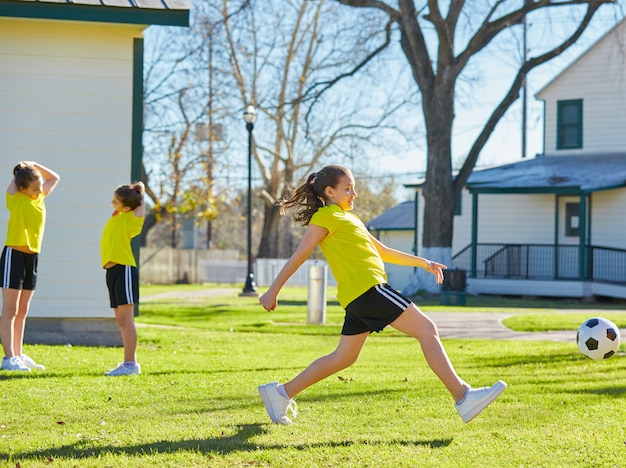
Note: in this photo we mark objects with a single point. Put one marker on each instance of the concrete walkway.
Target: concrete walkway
(489, 326)
(479, 325)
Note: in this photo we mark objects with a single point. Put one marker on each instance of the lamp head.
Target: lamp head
(249, 115)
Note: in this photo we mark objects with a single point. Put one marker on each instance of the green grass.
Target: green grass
(196, 403)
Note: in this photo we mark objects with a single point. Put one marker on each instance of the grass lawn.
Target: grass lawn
(203, 356)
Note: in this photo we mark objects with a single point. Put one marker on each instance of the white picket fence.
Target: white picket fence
(267, 269)
(171, 266)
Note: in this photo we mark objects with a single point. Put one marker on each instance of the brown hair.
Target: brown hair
(24, 174)
(310, 196)
(130, 195)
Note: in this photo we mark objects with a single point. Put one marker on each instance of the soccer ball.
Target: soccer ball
(598, 338)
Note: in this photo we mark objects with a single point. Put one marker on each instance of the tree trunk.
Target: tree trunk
(439, 197)
(268, 247)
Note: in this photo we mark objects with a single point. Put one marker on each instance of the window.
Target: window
(572, 219)
(569, 133)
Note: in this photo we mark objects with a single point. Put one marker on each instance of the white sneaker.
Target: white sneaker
(121, 369)
(276, 404)
(14, 363)
(28, 362)
(476, 400)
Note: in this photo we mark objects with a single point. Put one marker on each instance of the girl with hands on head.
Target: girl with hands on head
(31, 184)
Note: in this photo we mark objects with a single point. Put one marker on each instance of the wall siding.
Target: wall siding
(608, 223)
(398, 276)
(599, 79)
(66, 102)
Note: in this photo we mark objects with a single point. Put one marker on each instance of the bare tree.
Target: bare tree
(281, 54)
(177, 170)
(438, 46)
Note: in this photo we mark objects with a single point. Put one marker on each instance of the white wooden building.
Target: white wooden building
(71, 98)
(552, 225)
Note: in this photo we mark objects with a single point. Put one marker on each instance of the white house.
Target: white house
(554, 225)
(71, 97)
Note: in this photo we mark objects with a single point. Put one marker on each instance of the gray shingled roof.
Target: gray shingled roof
(145, 12)
(543, 174)
(151, 4)
(399, 217)
(553, 174)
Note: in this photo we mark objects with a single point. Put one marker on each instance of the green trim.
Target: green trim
(416, 224)
(543, 137)
(582, 237)
(534, 190)
(136, 146)
(607, 187)
(573, 190)
(137, 106)
(560, 105)
(557, 199)
(474, 240)
(95, 13)
(393, 229)
(589, 213)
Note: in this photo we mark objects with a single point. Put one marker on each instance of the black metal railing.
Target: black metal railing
(543, 262)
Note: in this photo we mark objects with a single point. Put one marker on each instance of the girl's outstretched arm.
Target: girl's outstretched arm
(313, 236)
(398, 257)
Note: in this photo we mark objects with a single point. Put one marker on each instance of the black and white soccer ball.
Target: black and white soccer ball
(598, 338)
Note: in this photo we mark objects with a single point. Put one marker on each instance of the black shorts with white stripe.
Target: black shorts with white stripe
(374, 310)
(123, 284)
(19, 269)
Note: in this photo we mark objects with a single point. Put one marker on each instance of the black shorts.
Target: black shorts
(374, 310)
(19, 269)
(123, 284)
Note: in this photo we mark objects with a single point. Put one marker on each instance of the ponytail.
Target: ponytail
(130, 196)
(24, 174)
(310, 196)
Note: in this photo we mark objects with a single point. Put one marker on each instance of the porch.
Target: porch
(544, 270)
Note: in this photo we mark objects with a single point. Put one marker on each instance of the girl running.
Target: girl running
(356, 260)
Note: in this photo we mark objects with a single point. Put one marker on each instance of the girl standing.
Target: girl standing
(356, 260)
(30, 185)
(122, 277)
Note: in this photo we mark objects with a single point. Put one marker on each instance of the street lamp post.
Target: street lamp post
(250, 287)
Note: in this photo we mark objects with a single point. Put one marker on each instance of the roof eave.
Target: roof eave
(94, 13)
(531, 190)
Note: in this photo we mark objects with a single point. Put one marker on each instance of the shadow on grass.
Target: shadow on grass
(533, 360)
(303, 303)
(607, 390)
(99, 375)
(238, 442)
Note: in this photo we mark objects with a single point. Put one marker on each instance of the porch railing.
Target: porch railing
(544, 262)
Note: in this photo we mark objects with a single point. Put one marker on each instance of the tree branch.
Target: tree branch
(513, 93)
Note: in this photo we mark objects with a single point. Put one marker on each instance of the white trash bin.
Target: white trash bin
(316, 310)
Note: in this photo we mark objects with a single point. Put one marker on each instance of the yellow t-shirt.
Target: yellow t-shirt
(116, 235)
(27, 220)
(350, 252)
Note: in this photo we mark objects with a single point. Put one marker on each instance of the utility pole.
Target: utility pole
(524, 86)
(209, 162)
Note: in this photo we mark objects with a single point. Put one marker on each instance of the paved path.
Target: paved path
(486, 325)
(489, 325)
